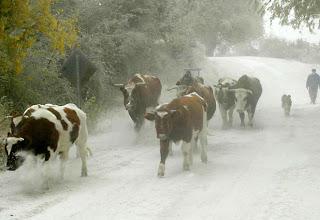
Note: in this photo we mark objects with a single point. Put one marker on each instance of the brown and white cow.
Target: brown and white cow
(183, 119)
(48, 131)
(140, 92)
(188, 84)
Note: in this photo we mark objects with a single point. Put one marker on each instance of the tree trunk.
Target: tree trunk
(210, 48)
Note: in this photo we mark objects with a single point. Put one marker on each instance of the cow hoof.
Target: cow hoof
(204, 159)
(186, 167)
(161, 170)
(84, 174)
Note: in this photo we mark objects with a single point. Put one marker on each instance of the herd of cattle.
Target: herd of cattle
(186, 117)
(49, 130)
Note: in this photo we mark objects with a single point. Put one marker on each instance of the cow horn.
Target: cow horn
(118, 85)
(9, 116)
(141, 83)
(249, 91)
(172, 88)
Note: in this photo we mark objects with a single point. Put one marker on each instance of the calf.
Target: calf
(140, 93)
(226, 100)
(183, 119)
(247, 93)
(48, 131)
(286, 104)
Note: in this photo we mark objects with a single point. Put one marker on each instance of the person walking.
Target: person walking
(313, 84)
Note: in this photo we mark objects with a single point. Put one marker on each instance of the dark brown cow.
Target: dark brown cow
(140, 92)
(48, 131)
(247, 91)
(190, 84)
(185, 119)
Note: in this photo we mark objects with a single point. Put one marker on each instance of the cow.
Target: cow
(183, 119)
(247, 93)
(188, 84)
(48, 131)
(140, 93)
(286, 104)
(15, 118)
(226, 100)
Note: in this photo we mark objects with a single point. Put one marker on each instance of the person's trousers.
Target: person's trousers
(313, 92)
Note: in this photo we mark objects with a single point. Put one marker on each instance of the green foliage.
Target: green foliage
(225, 22)
(295, 13)
(22, 23)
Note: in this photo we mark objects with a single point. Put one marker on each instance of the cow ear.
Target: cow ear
(151, 116)
(9, 134)
(122, 89)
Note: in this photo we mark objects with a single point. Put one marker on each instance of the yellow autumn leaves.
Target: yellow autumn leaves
(24, 22)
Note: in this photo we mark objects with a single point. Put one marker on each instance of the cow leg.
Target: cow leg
(204, 146)
(81, 144)
(223, 113)
(164, 150)
(63, 159)
(194, 144)
(83, 156)
(241, 114)
(47, 172)
(138, 124)
(170, 148)
(77, 152)
(203, 139)
(250, 116)
(186, 150)
(230, 115)
(194, 148)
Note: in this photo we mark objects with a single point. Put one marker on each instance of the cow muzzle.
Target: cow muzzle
(14, 163)
(129, 107)
(240, 110)
(162, 137)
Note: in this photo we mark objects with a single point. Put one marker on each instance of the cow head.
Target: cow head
(224, 95)
(164, 121)
(130, 94)
(14, 145)
(15, 118)
(241, 98)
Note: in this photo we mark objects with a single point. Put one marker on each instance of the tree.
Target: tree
(23, 23)
(225, 22)
(295, 13)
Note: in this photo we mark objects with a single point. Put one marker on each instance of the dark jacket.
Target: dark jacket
(313, 81)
